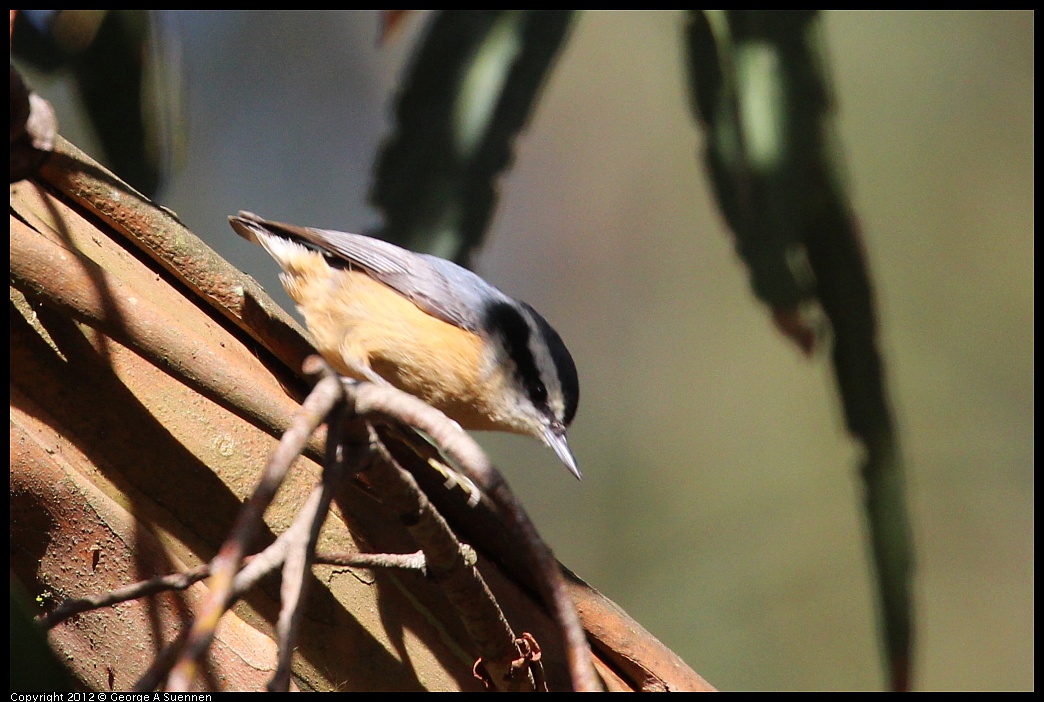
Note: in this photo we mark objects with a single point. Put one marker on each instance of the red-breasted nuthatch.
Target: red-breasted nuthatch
(427, 326)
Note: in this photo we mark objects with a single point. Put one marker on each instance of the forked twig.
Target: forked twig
(373, 402)
(226, 564)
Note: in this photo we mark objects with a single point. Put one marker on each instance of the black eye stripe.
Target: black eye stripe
(512, 325)
(568, 380)
(516, 332)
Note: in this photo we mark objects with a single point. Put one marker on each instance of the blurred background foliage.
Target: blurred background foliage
(720, 505)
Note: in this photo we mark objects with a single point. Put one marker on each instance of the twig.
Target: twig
(292, 591)
(455, 573)
(257, 568)
(302, 550)
(388, 402)
(152, 586)
(227, 561)
(445, 556)
(182, 581)
(403, 561)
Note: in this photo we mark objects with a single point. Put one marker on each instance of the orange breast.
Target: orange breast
(360, 322)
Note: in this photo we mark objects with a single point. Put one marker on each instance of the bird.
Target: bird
(425, 325)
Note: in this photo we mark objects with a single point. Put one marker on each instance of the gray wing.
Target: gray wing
(439, 287)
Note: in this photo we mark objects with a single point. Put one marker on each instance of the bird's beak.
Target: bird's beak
(555, 437)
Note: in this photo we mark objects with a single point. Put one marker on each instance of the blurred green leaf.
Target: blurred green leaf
(760, 91)
(473, 83)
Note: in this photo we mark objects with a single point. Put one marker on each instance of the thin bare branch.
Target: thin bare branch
(453, 571)
(182, 581)
(227, 562)
(144, 588)
(387, 402)
(302, 550)
(258, 567)
(402, 561)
